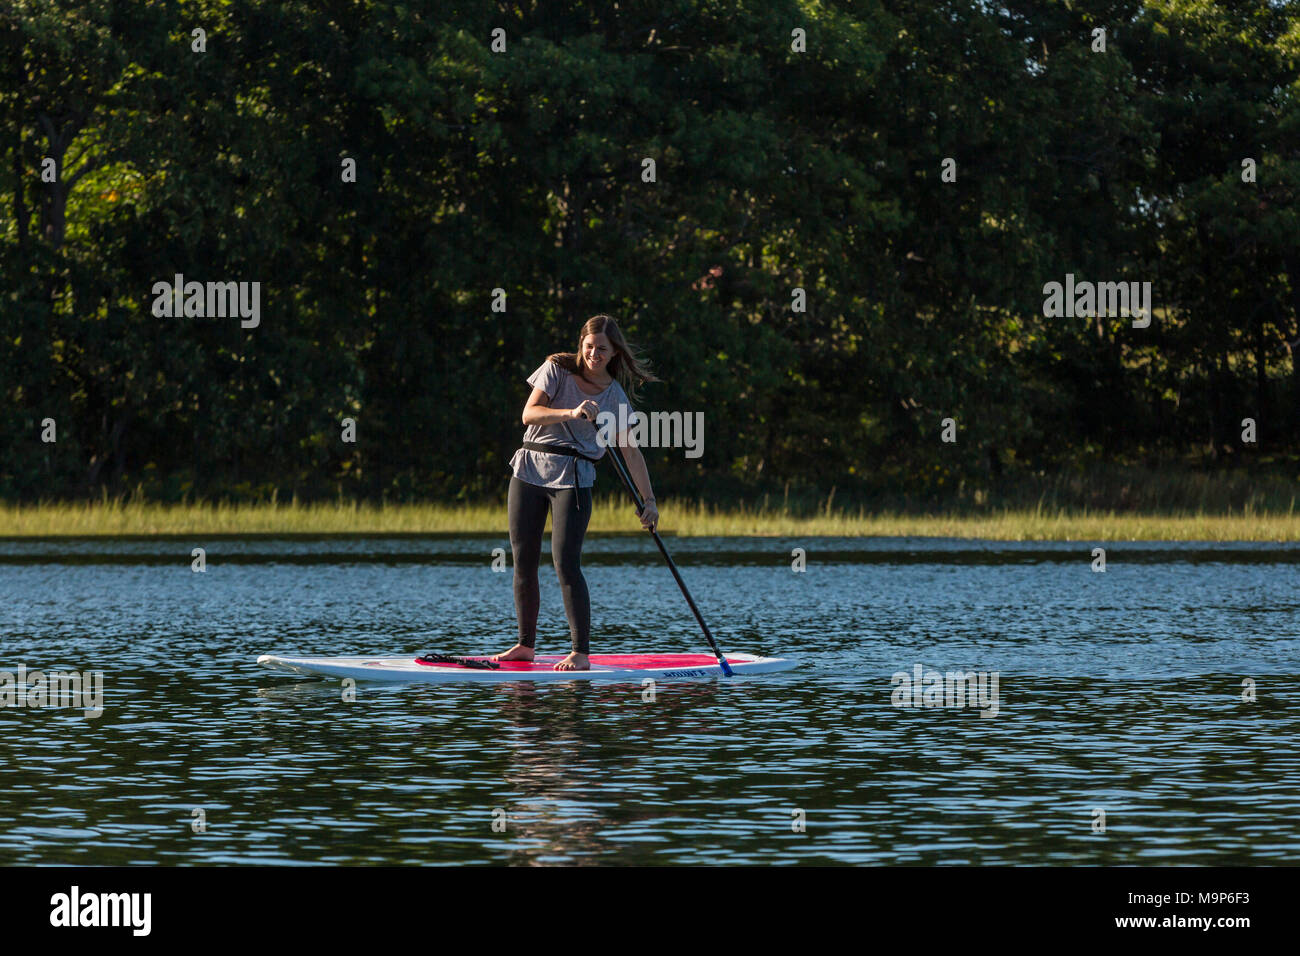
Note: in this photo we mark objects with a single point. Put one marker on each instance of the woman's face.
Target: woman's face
(596, 351)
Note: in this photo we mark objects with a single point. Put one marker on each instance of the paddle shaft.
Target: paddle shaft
(621, 467)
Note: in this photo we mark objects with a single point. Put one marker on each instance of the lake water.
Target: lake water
(1118, 694)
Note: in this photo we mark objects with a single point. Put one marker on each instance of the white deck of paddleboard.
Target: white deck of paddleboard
(406, 669)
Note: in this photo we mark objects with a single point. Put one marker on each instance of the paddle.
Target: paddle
(621, 467)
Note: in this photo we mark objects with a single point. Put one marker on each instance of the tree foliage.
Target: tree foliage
(522, 170)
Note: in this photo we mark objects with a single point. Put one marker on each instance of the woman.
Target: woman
(555, 470)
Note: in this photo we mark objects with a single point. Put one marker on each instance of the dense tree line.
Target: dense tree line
(1171, 157)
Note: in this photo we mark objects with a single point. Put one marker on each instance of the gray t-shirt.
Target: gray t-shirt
(561, 471)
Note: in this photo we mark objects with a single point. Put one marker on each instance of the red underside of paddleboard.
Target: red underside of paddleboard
(620, 661)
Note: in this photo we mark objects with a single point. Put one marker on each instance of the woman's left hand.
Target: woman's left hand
(649, 516)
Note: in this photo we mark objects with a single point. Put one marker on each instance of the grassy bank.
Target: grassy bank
(681, 518)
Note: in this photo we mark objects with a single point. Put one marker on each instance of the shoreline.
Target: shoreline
(687, 519)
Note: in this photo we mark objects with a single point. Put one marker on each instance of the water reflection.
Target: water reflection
(1120, 692)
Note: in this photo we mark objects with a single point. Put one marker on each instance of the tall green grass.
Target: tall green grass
(1041, 521)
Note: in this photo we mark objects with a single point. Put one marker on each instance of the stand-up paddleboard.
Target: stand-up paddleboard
(624, 667)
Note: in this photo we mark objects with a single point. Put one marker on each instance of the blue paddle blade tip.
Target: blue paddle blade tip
(726, 668)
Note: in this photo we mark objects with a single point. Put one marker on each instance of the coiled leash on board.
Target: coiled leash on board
(464, 661)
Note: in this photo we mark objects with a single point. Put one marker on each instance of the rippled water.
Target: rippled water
(1118, 692)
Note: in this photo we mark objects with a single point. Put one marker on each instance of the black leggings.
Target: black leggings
(570, 511)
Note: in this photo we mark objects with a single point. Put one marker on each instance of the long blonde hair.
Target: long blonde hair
(627, 366)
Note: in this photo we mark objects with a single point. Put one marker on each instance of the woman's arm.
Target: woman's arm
(641, 478)
(637, 469)
(538, 411)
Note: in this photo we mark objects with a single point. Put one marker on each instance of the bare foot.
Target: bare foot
(574, 662)
(516, 653)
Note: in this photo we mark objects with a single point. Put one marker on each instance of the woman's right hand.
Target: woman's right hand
(588, 410)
